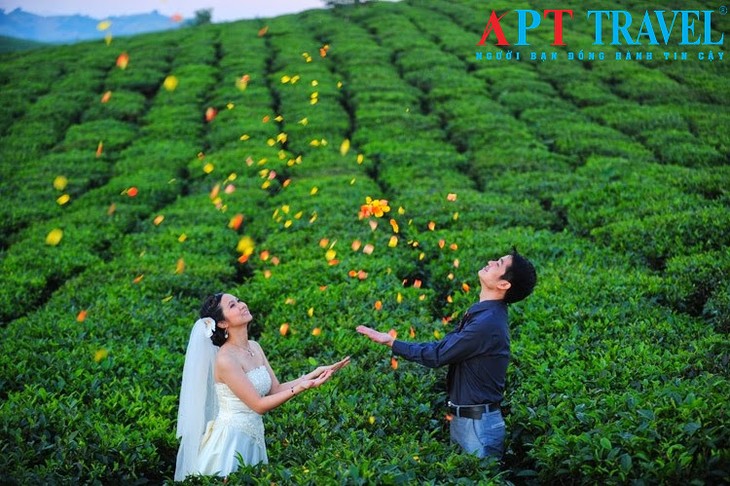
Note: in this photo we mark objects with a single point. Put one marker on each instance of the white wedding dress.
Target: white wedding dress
(236, 430)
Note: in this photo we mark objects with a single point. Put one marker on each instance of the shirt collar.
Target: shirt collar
(485, 305)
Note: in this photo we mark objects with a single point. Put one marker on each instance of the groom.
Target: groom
(477, 353)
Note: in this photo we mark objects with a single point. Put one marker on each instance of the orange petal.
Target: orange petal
(394, 363)
(236, 222)
(81, 317)
(123, 60)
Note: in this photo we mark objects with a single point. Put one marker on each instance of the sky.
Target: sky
(223, 10)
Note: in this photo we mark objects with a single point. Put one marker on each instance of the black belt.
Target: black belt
(473, 411)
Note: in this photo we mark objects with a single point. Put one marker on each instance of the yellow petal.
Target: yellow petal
(54, 237)
(170, 83)
(345, 147)
(60, 183)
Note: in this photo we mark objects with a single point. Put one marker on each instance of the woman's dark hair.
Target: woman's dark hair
(212, 308)
(523, 277)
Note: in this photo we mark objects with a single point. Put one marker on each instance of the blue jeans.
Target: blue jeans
(483, 437)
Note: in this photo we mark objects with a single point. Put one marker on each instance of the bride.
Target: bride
(227, 386)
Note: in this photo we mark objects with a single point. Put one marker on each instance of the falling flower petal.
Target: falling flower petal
(242, 82)
(63, 199)
(210, 114)
(54, 237)
(465, 286)
(245, 246)
(170, 83)
(99, 149)
(451, 197)
(81, 317)
(399, 298)
(378, 305)
(182, 238)
(284, 329)
(123, 60)
(158, 219)
(100, 354)
(393, 363)
(103, 25)
(208, 168)
(236, 222)
(355, 245)
(138, 279)
(394, 225)
(60, 183)
(345, 147)
(417, 284)
(368, 249)
(316, 331)
(412, 332)
(310, 312)
(180, 266)
(263, 31)
(431, 226)
(176, 17)
(108, 39)
(132, 191)
(106, 96)
(393, 241)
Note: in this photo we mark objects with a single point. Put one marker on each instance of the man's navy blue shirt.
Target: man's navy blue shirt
(477, 353)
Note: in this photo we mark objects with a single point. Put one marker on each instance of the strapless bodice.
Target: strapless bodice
(234, 414)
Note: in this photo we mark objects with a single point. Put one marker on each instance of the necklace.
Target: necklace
(248, 349)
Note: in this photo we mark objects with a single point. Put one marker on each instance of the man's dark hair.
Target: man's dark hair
(521, 274)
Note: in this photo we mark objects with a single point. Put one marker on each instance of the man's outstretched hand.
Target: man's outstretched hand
(378, 337)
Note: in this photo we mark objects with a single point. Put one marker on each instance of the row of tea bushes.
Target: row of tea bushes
(92, 223)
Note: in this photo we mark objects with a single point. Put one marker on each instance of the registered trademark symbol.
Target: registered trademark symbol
(723, 10)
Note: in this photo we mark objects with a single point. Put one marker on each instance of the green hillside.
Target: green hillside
(10, 44)
(236, 157)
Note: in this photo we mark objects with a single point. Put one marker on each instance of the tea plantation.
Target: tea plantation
(141, 175)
